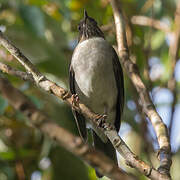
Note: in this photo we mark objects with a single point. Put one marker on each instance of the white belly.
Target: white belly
(94, 77)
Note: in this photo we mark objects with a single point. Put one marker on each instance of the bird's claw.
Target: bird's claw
(100, 120)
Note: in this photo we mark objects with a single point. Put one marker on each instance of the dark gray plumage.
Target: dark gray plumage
(97, 78)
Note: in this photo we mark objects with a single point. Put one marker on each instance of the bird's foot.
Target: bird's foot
(100, 120)
(65, 95)
(75, 100)
(108, 126)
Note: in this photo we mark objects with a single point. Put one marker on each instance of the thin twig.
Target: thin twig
(9, 70)
(147, 51)
(147, 21)
(147, 146)
(58, 91)
(173, 55)
(131, 159)
(72, 143)
(21, 58)
(108, 27)
(148, 106)
(20, 170)
(42, 81)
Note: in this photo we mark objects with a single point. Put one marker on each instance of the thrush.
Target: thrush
(96, 76)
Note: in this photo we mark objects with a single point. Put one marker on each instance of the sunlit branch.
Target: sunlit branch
(148, 107)
(173, 57)
(9, 70)
(147, 21)
(49, 86)
(70, 142)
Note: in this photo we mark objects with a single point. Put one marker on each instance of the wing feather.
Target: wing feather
(80, 120)
(120, 85)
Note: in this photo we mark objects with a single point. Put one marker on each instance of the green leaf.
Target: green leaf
(24, 152)
(157, 40)
(38, 3)
(33, 19)
(9, 155)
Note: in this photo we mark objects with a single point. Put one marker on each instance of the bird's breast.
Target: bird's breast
(94, 77)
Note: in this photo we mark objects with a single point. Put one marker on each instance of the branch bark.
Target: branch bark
(70, 142)
(131, 159)
(9, 70)
(173, 55)
(41, 81)
(49, 86)
(147, 104)
(148, 107)
(146, 21)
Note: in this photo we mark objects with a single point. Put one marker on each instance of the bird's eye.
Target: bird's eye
(79, 27)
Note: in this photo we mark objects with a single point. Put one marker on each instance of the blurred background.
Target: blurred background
(46, 32)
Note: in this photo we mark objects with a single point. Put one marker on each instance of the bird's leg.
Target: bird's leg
(102, 122)
(100, 119)
(75, 100)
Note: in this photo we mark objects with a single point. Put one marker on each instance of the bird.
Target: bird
(96, 77)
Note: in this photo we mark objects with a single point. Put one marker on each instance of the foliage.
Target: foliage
(46, 32)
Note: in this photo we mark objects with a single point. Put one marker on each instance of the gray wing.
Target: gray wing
(120, 85)
(80, 120)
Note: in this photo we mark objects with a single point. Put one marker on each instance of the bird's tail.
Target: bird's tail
(107, 148)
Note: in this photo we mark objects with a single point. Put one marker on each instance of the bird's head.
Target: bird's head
(88, 28)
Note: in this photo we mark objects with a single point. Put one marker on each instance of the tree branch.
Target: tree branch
(146, 21)
(42, 81)
(148, 106)
(9, 70)
(173, 55)
(70, 142)
(131, 159)
(110, 132)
